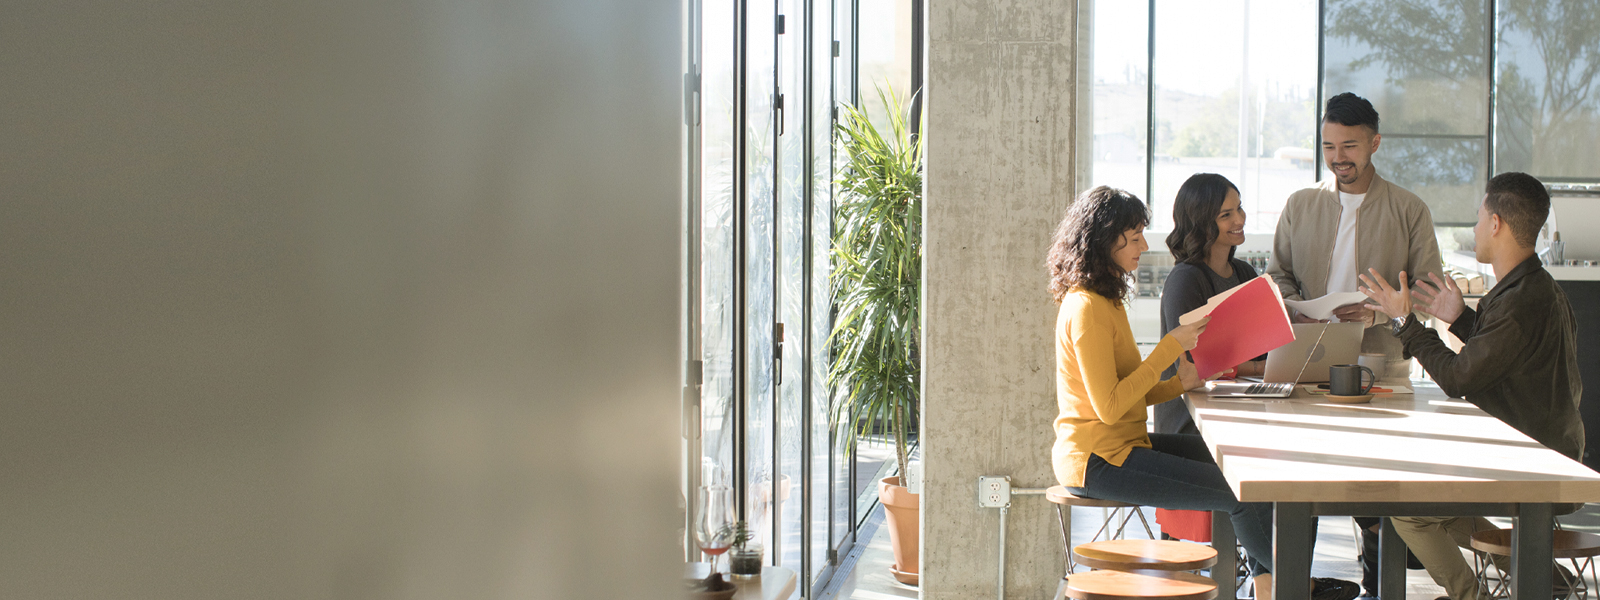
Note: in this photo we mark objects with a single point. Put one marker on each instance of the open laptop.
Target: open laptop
(1333, 343)
(1340, 345)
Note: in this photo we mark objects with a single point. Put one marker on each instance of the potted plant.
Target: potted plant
(745, 558)
(876, 281)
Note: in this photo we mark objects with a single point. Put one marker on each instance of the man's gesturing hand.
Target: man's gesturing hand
(1442, 298)
(1386, 299)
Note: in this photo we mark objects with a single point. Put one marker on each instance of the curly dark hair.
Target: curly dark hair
(1080, 252)
(1194, 217)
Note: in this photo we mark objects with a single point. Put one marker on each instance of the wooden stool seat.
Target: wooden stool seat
(1567, 544)
(1117, 585)
(1145, 555)
(1060, 495)
(1578, 549)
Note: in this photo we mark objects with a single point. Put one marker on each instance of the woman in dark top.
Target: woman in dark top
(1208, 223)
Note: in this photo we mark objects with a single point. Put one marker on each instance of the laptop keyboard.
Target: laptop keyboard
(1269, 388)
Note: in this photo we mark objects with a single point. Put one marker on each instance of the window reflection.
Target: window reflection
(1424, 66)
(1547, 108)
(1447, 173)
(1234, 83)
(1422, 63)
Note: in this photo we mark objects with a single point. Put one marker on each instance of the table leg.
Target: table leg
(1391, 563)
(1223, 540)
(1531, 543)
(1291, 551)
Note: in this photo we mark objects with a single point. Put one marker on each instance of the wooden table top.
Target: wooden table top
(1422, 447)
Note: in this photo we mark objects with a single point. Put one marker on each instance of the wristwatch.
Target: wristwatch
(1398, 323)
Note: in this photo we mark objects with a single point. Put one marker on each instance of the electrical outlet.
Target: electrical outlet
(994, 492)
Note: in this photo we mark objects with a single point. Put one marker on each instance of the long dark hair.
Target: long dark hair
(1194, 217)
(1080, 252)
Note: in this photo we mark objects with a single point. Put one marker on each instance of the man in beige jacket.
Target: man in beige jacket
(1330, 234)
(1356, 220)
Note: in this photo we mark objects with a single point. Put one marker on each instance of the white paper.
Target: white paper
(1322, 308)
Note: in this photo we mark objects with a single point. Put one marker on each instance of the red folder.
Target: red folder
(1246, 321)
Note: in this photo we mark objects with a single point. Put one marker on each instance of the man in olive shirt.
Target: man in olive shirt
(1351, 222)
(1519, 359)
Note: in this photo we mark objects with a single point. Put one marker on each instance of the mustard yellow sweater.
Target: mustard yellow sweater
(1104, 390)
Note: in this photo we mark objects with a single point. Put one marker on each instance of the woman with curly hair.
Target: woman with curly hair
(1104, 390)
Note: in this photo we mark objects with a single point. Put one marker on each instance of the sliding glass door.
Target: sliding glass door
(763, 92)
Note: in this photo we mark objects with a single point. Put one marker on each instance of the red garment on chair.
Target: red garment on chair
(1191, 525)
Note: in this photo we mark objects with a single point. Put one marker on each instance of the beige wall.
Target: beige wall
(999, 175)
(339, 299)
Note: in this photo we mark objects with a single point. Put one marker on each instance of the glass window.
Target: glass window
(761, 186)
(1235, 92)
(1118, 66)
(819, 115)
(717, 306)
(791, 244)
(1446, 172)
(884, 48)
(845, 79)
(1424, 65)
(1235, 84)
(1547, 105)
(763, 202)
(761, 249)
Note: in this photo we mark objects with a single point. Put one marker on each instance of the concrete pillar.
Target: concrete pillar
(999, 176)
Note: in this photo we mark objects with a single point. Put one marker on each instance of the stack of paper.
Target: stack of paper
(1322, 308)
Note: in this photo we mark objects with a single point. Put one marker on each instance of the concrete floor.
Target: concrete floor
(869, 578)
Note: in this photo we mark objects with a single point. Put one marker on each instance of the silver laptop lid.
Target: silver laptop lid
(1305, 360)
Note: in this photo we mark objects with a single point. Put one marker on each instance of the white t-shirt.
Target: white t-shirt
(1342, 273)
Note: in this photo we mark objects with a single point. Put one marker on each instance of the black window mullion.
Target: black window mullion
(1492, 85)
(809, 169)
(1316, 111)
(1149, 111)
(740, 239)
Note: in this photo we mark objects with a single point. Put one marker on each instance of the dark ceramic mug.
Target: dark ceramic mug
(1345, 380)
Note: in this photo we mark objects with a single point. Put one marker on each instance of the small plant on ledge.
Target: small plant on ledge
(745, 558)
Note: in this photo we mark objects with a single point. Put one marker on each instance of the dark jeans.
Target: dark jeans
(1179, 473)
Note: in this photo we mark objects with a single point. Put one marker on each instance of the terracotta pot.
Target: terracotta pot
(900, 512)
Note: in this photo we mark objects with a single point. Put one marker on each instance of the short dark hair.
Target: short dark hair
(1194, 217)
(1350, 110)
(1080, 252)
(1521, 201)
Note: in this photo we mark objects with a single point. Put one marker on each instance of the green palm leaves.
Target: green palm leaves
(877, 276)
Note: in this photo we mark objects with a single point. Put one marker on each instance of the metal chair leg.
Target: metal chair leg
(1122, 527)
(1063, 515)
